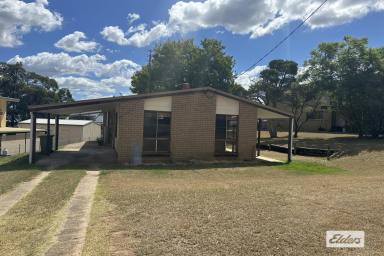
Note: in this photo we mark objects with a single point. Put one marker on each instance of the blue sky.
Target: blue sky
(94, 47)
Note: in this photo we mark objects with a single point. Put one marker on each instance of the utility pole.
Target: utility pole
(149, 70)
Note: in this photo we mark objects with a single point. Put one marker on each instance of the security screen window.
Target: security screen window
(226, 135)
(157, 132)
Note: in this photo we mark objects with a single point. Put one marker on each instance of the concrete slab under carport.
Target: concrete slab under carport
(84, 154)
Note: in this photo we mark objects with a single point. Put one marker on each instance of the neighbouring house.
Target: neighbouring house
(323, 118)
(71, 131)
(189, 124)
(3, 110)
(7, 133)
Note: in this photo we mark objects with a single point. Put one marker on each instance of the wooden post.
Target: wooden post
(48, 141)
(25, 142)
(290, 139)
(32, 140)
(57, 132)
(258, 136)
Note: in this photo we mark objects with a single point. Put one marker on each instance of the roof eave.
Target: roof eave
(37, 108)
(9, 99)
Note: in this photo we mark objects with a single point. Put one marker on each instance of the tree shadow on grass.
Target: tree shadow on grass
(17, 163)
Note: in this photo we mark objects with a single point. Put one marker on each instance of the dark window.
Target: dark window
(315, 115)
(157, 132)
(226, 135)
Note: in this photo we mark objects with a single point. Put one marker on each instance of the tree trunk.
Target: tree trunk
(273, 125)
(272, 128)
(296, 127)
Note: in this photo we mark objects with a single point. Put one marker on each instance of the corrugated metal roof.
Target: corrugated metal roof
(61, 121)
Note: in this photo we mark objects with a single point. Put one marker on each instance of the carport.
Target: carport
(104, 105)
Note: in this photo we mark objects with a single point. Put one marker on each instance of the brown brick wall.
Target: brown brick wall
(247, 131)
(193, 126)
(130, 131)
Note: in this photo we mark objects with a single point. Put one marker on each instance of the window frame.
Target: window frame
(156, 138)
(235, 142)
(314, 115)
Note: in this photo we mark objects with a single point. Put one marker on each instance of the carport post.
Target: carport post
(56, 132)
(258, 136)
(48, 141)
(290, 139)
(32, 140)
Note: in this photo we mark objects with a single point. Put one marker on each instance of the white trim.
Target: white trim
(158, 104)
(226, 106)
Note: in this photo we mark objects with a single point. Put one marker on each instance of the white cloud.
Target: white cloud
(75, 42)
(87, 76)
(250, 17)
(138, 28)
(114, 34)
(250, 77)
(141, 38)
(85, 88)
(146, 37)
(18, 18)
(132, 17)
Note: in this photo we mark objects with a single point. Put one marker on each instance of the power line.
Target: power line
(284, 39)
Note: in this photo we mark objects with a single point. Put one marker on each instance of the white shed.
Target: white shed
(71, 131)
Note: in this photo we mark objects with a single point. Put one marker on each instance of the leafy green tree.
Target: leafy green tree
(177, 62)
(30, 88)
(273, 84)
(354, 75)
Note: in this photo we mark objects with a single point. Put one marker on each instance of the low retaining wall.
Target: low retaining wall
(302, 151)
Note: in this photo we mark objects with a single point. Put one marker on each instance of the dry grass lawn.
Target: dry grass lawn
(361, 155)
(9, 179)
(212, 210)
(233, 211)
(28, 227)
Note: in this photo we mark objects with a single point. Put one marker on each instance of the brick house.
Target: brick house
(323, 118)
(190, 124)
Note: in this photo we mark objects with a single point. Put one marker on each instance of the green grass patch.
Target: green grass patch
(17, 162)
(29, 227)
(309, 167)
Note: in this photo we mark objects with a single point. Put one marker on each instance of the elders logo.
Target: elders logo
(345, 239)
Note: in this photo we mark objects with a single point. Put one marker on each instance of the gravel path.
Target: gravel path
(70, 238)
(9, 199)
